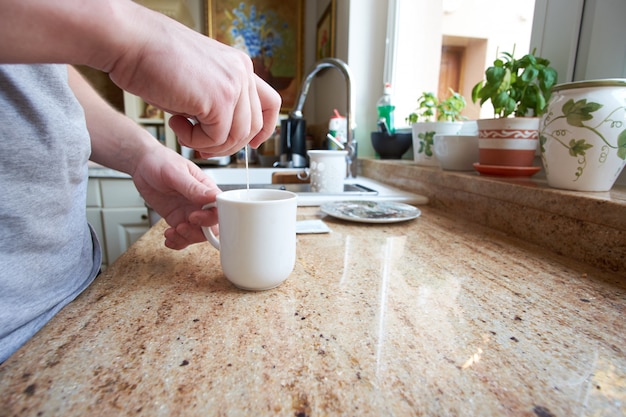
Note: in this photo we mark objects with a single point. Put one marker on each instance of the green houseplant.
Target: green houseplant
(519, 87)
(518, 90)
(429, 108)
(431, 117)
(450, 109)
(426, 109)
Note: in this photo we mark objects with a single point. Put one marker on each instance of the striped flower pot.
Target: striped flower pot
(508, 141)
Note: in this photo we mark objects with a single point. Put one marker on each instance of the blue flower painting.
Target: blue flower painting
(255, 33)
(269, 32)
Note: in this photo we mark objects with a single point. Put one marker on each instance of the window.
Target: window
(448, 44)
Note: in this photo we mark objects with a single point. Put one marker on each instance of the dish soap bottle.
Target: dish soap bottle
(386, 108)
(337, 128)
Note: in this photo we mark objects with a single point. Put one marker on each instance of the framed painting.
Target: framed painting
(270, 32)
(325, 36)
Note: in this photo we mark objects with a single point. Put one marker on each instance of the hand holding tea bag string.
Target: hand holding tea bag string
(151, 55)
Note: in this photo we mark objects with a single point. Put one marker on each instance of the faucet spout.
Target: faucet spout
(343, 68)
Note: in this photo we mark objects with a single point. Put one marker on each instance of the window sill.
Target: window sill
(588, 227)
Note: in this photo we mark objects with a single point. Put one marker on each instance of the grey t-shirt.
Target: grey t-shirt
(48, 253)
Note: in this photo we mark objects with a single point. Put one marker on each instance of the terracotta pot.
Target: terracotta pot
(583, 135)
(423, 140)
(509, 152)
(508, 141)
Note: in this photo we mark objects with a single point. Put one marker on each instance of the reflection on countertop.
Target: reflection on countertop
(434, 316)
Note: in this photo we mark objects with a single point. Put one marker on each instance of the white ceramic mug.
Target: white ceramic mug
(257, 236)
(328, 171)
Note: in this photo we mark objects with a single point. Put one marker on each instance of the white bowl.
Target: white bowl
(456, 152)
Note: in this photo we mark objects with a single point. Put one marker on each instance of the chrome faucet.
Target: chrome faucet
(296, 113)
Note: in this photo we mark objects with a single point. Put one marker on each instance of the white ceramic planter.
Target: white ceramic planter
(423, 140)
(583, 135)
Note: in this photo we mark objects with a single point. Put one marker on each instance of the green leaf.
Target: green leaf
(542, 61)
(541, 104)
(529, 74)
(578, 147)
(506, 81)
(580, 111)
(547, 78)
(621, 145)
(499, 101)
(509, 108)
(476, 92)
(411, 118)
(507, 55)
(422, 143)
(494, 74)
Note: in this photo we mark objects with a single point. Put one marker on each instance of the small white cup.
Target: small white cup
(257, 236)
(328, 171)
(456, 152)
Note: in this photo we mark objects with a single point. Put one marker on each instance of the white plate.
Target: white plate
(371, 211)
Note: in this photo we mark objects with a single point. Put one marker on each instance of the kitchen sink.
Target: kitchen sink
(304, 188)
(360, 188)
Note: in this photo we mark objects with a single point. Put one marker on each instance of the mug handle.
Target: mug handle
(208, 233)
(303, 175)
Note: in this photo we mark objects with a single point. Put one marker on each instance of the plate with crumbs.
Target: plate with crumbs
(371, 211)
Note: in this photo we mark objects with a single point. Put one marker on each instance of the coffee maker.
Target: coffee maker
(292, 143)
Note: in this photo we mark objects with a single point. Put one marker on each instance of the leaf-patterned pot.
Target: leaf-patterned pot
(423, 140)
(583, 135)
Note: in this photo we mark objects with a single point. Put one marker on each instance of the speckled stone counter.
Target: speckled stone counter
(437, 316)
(586, 226)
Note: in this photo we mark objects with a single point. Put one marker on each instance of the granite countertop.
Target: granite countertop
(434, 316)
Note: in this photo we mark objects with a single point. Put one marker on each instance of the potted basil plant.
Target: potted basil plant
(519, 91)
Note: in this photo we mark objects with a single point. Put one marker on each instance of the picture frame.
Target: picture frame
(325, 35)
(270, 32)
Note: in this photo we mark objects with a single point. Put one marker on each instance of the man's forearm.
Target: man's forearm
(66, 31)
(116, 140)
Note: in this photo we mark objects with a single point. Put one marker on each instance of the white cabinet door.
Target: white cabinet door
(120, 193)
(122, 228)
(94, 198)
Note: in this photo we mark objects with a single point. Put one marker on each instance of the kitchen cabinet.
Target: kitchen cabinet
(117, 213)
(122, 228)
(153, 120)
